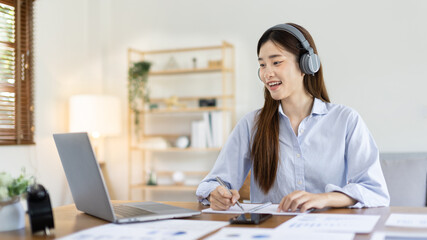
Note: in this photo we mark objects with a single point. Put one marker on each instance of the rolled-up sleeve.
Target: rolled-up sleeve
(233, 162)
(365, 180)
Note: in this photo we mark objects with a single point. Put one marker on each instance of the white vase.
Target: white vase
(12, 217)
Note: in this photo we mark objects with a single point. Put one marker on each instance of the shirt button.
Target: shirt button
(298, 155)
(301, 131)
(299, 182)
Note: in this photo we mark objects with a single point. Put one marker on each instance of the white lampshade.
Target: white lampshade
(98, 115)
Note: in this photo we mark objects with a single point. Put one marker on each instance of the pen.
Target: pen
(260, 207)
(223, 184)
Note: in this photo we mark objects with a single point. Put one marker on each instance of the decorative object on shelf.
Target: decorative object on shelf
(139, 93)
(207, 102)
(99, 115)
(173, 102)
(154, 106)
(182, 142)
(152, 178)
(12, 214)
(215, 63)
(171, 64)
(178, 177)
(39, 209)
(194, 63)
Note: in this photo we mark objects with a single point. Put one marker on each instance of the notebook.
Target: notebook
(89, 190)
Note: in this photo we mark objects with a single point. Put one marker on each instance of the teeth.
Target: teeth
(274, 83)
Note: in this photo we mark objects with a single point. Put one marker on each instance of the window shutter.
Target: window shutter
(16, 72)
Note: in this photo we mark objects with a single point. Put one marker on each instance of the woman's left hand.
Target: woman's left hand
(304, 201)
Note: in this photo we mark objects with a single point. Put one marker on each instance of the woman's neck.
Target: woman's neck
(298, 107)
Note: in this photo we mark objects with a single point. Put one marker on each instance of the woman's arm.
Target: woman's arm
(304, 201)
(232, 165)
(365, 179)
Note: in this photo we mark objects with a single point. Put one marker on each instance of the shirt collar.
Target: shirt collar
(319, 108)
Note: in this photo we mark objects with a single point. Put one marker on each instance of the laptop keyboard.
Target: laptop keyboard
(128, 211)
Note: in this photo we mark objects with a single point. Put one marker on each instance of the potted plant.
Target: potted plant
(139, 94)
(12, 214)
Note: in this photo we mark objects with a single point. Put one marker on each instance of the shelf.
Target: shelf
(165, 187)
(186, 110)
(153, 135)
(186, 173)
(189, 71)
(176, 50)
(180, 99)
(173, 149)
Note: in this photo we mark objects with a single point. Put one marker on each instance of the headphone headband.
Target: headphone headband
(296, 33)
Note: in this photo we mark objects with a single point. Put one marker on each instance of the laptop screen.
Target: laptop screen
(84, 175)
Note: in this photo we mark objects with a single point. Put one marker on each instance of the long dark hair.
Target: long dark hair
(265, 144)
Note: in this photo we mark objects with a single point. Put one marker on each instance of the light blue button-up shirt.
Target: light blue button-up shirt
(334, 151)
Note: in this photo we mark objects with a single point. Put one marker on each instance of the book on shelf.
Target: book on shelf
(217, 129)
(208, 132)
(207, 119)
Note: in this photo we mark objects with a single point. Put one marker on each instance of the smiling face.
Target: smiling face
(280, 72)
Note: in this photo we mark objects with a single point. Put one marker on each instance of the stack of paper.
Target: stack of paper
(399, 236)
(303, 226)
(397, 224)
(166, 229)
(271, 234)
(331, 223)
(307, 226)
(407, 220)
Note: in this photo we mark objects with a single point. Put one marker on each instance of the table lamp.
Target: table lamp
(98, 115)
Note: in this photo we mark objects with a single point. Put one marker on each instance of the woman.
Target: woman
(304, 152)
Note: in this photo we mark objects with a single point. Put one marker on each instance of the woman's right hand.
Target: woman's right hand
(221, 199)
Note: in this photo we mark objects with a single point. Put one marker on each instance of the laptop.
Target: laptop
(89, 190)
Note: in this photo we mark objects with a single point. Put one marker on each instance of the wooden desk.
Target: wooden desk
(69, 220)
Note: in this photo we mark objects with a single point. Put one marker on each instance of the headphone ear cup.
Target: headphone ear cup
(309, 64)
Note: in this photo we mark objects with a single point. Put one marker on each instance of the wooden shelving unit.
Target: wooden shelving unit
(223, 76)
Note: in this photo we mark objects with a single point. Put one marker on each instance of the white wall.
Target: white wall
(373, 54)
(67, 62)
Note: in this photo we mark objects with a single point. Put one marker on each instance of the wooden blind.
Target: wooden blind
(16, 72)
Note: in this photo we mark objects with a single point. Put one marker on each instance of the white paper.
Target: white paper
(407, 220)
(236, 233)
(398, 236)
(272, 234)
(331, 223)
(271, 209)
(166, 229)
